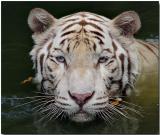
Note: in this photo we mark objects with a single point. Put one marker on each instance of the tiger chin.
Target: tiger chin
(85, 63)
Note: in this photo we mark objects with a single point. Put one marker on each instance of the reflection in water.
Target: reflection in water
(121, 125)
(10, 111)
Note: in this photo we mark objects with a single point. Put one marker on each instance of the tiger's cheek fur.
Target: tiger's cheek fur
(111, 69)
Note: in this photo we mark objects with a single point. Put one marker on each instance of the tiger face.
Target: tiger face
(85, 60)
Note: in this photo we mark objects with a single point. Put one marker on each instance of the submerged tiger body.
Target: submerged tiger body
(86, 61)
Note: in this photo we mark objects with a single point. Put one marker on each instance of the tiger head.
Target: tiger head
(85, 60)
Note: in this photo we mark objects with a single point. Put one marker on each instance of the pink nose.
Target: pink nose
(81, 99)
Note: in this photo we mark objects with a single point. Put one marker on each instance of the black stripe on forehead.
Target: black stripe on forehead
(68, 32)
(100, 40)
(83, 23)
(68, 26)
(76, 44)
(70, 20)
(98, 16)
(96, 20)
(97, 33)
(95, 26)
(62, 41)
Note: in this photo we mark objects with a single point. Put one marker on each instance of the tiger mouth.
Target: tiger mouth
(81, 116)
(81, 113)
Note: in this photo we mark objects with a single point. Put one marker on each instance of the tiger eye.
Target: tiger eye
(60, 59)
(102, 59)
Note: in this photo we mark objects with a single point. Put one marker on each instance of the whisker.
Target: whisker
(105, 118)
(42, 105)
(55, 110)
(49, 113)
(108, 114)
(28, 102)
(43, 117)
(112, 113)
(28, 97)
(59, 114)
(63, 115)
(118, 111)
(54, 114)
(130, 117)
(122, 102)
(37, 92)
(125, 113)
(129, 103)
(133, 110)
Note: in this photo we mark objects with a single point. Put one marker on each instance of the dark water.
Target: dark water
(17, 66)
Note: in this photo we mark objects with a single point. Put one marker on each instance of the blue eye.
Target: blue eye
(60, 59)
(102, 59)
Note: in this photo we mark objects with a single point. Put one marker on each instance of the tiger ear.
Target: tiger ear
(128, 23)
(40, 20)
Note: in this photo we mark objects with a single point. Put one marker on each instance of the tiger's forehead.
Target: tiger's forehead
(85, 15)
(83, 28)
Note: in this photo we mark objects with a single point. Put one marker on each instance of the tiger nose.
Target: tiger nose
(81, 99)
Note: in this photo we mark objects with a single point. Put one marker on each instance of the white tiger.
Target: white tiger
(86, 62)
